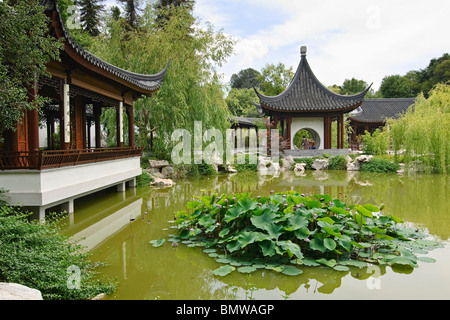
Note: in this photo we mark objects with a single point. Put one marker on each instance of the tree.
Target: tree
(90, 15)
(275, 78)
(240, 102)
(424, 131)
(192, 89)
(25, 49)
(247, 78)
(353, 86)
(395, 86)
(131, 8)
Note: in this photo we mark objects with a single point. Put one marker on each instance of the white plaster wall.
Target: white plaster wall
(40, 188)
(308, 123)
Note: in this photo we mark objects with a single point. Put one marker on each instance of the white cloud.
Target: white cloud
(356, 38)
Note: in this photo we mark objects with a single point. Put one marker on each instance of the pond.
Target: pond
(117, 228)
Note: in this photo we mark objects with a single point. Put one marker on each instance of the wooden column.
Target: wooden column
(342, 127)
(97, 115)
(130, 115)
(33, 122)
(64, 107)
(119, 121)
(289, 125)
(327, 132)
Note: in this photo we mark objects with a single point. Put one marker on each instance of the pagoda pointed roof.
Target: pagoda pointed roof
(306, 93)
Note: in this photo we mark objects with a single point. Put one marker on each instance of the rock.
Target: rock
(353, 166)
(14, 291)
(402, 168)
(230, 169)
(167, 172)
(299, 167)
(100, 296)
(288, 162)
(356, 165)
(267, 166)
(158, 163)
(364, 158)
(162, 182)
(320, 164)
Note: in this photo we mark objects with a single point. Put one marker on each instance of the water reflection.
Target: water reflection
(118, 228)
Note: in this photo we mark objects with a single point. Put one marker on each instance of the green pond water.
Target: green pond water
(117, 228)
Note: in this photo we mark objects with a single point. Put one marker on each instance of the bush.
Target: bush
(247, 166)
(337, 163)
(379, 165)
(143, 180)
(36, 255)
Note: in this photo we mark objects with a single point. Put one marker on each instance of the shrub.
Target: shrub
(308, 161)
(337, 163)
(379, 165)
(143, 180)
(36, 255)
(246, 166)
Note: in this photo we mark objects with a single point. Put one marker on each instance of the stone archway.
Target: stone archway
(308, 133)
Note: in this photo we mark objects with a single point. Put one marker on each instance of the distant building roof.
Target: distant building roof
(244, 121)
(306, 93)
(378, 110)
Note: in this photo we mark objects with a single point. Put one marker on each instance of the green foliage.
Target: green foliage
(353, 86)
(423, 132)
(246, 163)
(283, 231)
(35, 254)
(245, 79)
(395, 86)
(275, 78)
(379, 165)
(25, 49)
(308, 161)
(337, 163)
(376, 143)
(240, 102)
(192, 88)
(143, 180)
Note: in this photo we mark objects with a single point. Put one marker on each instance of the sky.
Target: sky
(367, 40)
(362, 39)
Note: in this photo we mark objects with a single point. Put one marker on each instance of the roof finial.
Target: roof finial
(303, 51)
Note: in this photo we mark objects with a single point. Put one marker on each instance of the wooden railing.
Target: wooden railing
(39, 160)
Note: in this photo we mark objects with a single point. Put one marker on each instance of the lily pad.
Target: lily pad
(157, 243)
(426, 259)
(224, 270)
(291, 271)
(246, 269)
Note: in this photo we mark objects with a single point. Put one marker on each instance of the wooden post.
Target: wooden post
(130, 115)
(342, 131)
(97, 114)
(65, 117)
(119, 121)
(33, 122)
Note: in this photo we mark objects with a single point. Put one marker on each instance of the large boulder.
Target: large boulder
(299, 167)
(167, 172)
(158, 164)
(320, 164)
(356, 165)
(14, 291)
(287, 162)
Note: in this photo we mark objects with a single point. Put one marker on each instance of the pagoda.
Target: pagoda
(309, 105)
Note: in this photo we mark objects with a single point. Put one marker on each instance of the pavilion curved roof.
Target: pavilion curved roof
(306, 93)
(145, 82)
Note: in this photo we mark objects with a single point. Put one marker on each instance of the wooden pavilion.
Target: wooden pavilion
(307, 104)
(373, 114)
(81, 85)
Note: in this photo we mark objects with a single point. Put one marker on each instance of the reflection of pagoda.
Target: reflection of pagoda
(307, 104)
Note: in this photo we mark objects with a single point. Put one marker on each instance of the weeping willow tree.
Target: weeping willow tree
(423, 132)
(192, 88)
